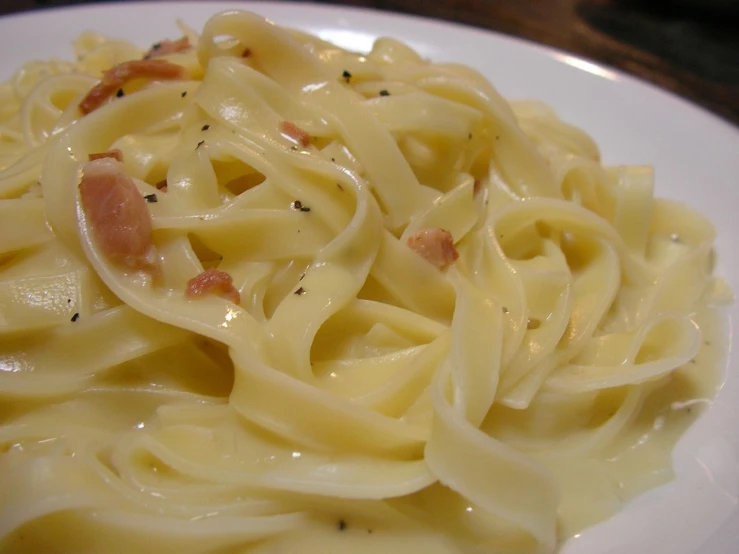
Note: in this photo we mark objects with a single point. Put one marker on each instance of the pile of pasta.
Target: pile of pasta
(355, 393)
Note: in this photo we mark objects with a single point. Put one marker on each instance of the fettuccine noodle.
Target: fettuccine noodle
(443, 325)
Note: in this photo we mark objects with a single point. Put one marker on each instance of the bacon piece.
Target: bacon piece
(435, 245)
(115, 154)
(119, 75)
(167, 47)
(295, 132)
(162, 185)
(213, 281)
(117, 213)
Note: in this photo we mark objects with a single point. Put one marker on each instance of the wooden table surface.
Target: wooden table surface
(691, 51)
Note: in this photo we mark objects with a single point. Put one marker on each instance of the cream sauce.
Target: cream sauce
(436, 520)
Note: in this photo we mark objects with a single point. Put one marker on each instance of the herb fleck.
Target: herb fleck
(346, 75)
(184, 93)
(156, 46)
(341, 526)
(497, 137)
(298, 205)
(294, 148)
(75, 317)
(384, 92)
(151, 198)
(205, 127)
(369, 531)
(333, 160)
(689, 410)
(119, 93)
(302, 276)
(300, 291)
(340, 187)
(200, 144)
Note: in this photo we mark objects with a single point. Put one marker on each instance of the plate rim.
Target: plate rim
(525, 42)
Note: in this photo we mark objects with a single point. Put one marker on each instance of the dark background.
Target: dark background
(688, 46)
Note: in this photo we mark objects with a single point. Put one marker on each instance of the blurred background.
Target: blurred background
(690, 47)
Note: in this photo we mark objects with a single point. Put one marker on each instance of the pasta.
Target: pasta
(342, 303)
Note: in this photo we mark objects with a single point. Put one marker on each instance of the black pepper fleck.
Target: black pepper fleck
(469, 137)
(384, 92)
(75, 317)
(200, 144)
(302, 276)
(205, 127)
(119, 93)
(298, 205)
(333, 160)
(369, 531)
(346, 75)
(300, 291)
(497, 137)
(69, 300)
(184, 93)
(341, 526)
(293, 148)
(152, 198)
(340, 187)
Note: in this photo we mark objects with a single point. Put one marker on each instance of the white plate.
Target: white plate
(696, 156)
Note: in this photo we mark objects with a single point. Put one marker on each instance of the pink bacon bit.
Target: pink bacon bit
(434, 245)
(119, 75)
(120, 220)
(296, 133)
(213, 281)
(167, 47)
(115, 154)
